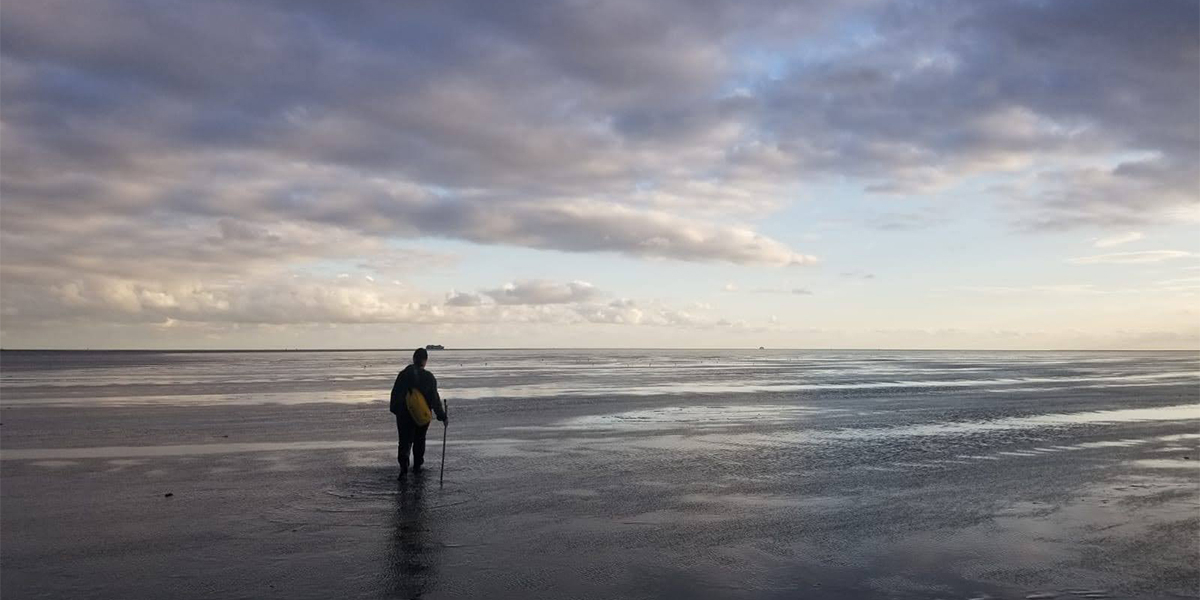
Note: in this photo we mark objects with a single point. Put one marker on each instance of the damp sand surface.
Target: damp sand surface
(1069, 475)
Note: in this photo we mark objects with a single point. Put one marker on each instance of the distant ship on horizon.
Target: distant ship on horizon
(434, 347)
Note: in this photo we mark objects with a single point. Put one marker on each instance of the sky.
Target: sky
(600, 173)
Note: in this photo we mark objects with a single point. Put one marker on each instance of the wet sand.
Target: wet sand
(875, 495)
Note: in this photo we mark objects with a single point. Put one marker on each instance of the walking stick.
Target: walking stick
(445, 426)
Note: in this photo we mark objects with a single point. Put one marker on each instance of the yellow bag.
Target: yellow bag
(418, 408)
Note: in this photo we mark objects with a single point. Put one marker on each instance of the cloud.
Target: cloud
(1129, 258)
(1065, 289)
(909, 221)
(684, 122)
(543, 292)
(1130, 194)
(617, 312)
(305, 300)
(467, 153)
(215, 144)
(652, 314)
(46, 249)
(463, 299)
(590, 227)
(1179, 284)
(794, 291)
(1118, 239)
(1084, 111)
(277, 301)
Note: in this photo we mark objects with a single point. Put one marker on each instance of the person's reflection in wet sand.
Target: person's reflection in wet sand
(411, 560)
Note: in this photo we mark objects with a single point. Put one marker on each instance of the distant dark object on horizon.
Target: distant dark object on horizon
(761, 348)
(435, 347)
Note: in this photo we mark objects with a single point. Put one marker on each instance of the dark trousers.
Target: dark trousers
(411, 437)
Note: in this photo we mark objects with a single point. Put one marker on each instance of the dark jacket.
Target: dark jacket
(413, 376)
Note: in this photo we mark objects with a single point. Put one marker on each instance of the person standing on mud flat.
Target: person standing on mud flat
(414, 395)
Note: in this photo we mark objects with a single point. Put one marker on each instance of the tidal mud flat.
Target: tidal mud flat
(833, 476)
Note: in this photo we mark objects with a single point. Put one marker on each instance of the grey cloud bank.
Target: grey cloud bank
(543, 292)
(527, 293)
(164, 154)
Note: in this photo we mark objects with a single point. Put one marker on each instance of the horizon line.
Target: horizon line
(761, 348)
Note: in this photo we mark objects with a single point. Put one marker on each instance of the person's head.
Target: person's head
(420, 357)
